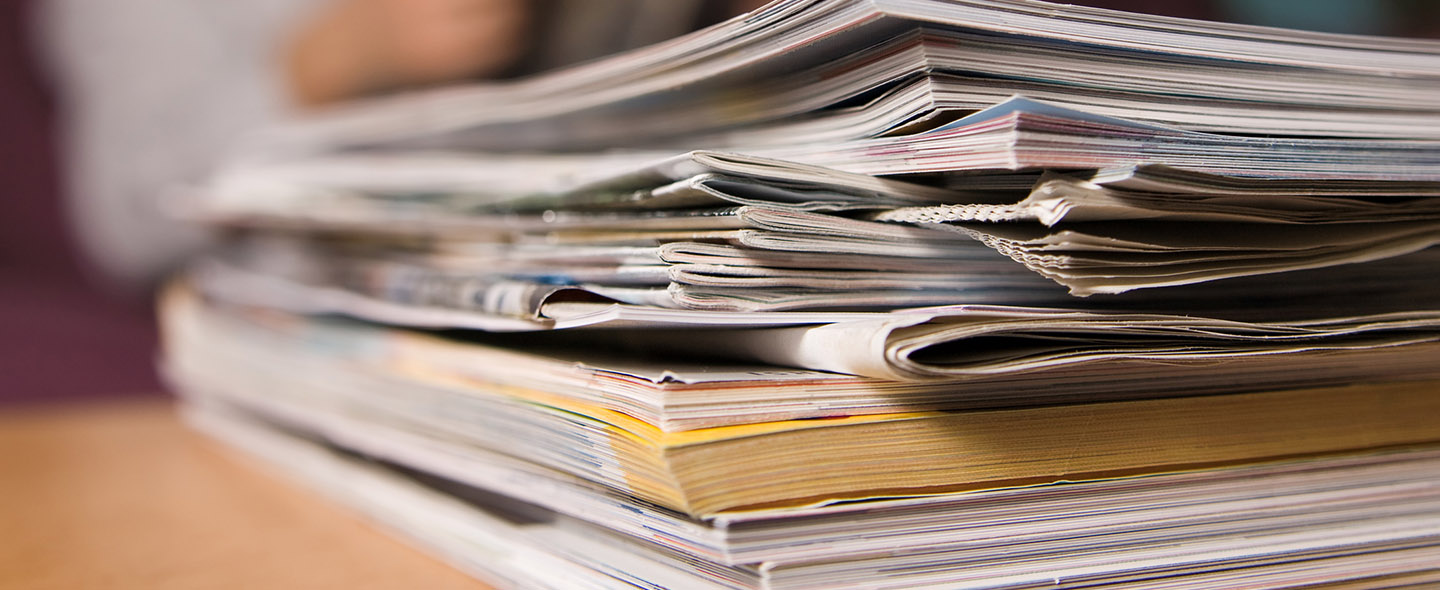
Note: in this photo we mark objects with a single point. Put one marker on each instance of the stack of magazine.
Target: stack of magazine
(858, 294)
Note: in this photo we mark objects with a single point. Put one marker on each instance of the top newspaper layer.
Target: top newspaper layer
(856, 68)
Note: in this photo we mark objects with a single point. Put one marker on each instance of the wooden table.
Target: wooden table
(121, 495)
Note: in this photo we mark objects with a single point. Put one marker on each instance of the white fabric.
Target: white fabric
(154, 93)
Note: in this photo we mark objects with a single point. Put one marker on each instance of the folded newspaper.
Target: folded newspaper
(990, 358)
(321, 381)
(735, 233)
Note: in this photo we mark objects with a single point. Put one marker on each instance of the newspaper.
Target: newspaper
(1095, 530)
(1198, 227)
(977, 340)
(1113, 258)
(1017, 134)
(1005, 353)
(725, 77)
(772, 304)
(711, 470)
(1155, 192)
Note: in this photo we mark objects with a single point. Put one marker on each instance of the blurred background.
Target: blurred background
(104, 104)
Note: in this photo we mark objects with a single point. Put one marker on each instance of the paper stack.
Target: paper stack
(859, 294)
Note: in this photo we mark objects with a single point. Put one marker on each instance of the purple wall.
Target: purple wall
(60, 338)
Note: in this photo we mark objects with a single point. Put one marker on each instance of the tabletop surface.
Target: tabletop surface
(122, 495)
